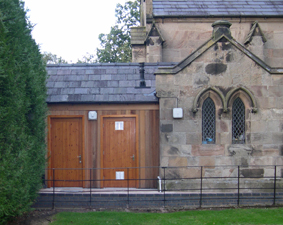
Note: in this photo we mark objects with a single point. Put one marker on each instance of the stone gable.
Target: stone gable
(223, 70)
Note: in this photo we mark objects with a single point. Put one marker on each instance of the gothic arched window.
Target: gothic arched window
(238, 122)
(208, 121)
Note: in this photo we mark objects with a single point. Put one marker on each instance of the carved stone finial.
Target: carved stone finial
(221, 27)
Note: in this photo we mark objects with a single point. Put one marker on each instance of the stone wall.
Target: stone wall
(143, 201)
(184, 35)
(220, 69)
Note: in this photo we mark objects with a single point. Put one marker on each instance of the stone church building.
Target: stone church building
(205, 88)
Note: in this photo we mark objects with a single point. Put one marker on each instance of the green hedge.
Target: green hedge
(22, 112)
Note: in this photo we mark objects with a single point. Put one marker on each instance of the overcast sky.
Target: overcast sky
(70, 28)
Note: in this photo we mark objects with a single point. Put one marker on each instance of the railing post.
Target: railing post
(90, 187)
(200, 196)
(274, 189)
(164, 189)
(53, 178)
(128, 184)
(238, 201)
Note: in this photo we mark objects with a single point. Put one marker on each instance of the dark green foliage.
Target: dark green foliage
(22, 112)
(116, 46)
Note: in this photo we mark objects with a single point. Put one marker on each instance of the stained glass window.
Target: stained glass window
(208, 122)
(238, 122)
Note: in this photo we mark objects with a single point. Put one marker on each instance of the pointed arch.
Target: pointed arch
(247, 92)
(205, 90)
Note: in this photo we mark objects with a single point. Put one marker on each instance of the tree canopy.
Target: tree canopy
(22, 112)
(116, 46)
(49, 58)
(88, 58)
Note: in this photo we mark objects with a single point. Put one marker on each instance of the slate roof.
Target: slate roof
(221, 8)
(100, 83)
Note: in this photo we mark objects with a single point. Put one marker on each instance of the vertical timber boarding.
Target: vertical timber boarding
(66, 151)
(119, 150)
(148, 136)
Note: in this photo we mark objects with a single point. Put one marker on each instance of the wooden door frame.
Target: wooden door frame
(136, 145)
(49, 158)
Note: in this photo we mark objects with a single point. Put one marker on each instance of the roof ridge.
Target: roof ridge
(196, 8)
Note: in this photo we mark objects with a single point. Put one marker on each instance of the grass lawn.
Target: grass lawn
(192, 217)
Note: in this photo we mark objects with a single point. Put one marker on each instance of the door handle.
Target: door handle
(133, 157)
(80, 158)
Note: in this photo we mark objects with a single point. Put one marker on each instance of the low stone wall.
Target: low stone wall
(157, 200)
(223, 185)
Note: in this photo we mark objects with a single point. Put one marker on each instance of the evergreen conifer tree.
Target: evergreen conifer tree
(22, 112)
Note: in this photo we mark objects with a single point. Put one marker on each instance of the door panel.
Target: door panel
(119, 151)
(66, 151)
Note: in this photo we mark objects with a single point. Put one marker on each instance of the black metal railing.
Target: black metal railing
(193, 186)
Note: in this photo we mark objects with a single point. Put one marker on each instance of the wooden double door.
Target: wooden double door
(65, 151)
(119, 151)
